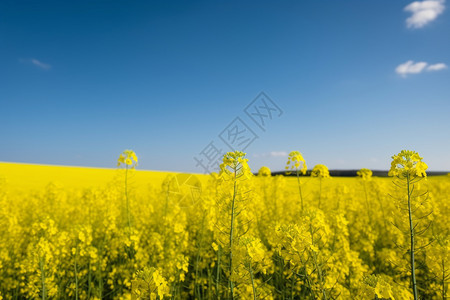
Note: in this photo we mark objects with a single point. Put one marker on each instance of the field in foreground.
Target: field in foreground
(117, 234)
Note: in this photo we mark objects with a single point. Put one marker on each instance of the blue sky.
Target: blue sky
(357, 81)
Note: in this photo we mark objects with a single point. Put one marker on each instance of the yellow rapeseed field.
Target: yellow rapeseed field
(86, 233)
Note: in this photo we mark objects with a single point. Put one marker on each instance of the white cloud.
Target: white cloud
(273, 154)
(278, 154)
(37, 63)
(40, 64)
(411, 67)
(423, 12)
(437, 67)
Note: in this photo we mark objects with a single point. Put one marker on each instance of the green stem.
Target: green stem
(41, 266)
(210, 284)
(382, 210)
(411, 229)
(165, 225)
(292, 286)
(320, 190)
(253, 282)
(99, 268)
(127, 201)
(300, 189)
(318, 268)
(89, 280)
(218, 272)
(308, 282)
(76, 274)
(367, 203)
(319, 272)
(197, 260)
(443, 279)
(283, 284)
(232, 232)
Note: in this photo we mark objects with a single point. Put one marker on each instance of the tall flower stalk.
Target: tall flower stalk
(408, 168)
(130, 160)
(297, 163)
(366, 175)
(320, 171)
(234, 169)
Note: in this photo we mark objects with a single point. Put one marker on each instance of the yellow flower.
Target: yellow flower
(235, 165)
(150, 282)
(121, 160)
(215, 246)
(255, 250)
(133, 156)
(365, 174)
(127, 157)
(298, 162)
(320, 171)
(264, 171)
(408, 163)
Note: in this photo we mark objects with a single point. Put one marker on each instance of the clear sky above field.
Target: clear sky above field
(347, 83)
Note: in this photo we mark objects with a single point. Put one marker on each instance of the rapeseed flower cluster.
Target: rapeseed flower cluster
(408, 163)
(365, 174)
(296, 162)
(320, 171)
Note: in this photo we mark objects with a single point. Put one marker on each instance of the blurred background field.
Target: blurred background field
(20, 176)
(35, 177)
